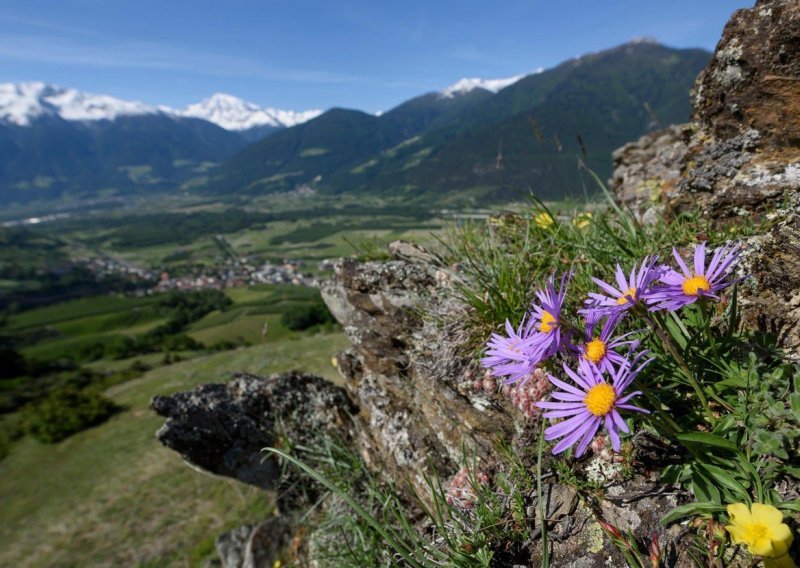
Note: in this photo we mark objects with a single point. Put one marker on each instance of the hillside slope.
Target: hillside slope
(528, 135)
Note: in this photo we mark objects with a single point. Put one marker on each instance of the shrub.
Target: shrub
(305, 316)
(66, 411)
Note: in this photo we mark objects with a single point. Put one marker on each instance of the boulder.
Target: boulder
(223, 428)
(738, 161)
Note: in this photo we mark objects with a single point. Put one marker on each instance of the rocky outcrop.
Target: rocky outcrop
(415, 404)
(739, 160)
(753, 80)
(253, 546)
(223, 428)
(418, 410)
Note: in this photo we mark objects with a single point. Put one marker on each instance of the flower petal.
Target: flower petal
(566, 387)
(612, 432)
(766, 515)
(700, 258)
(739, 513)
(681, 263)
(573, 437)
(564, 428)
(588, 436)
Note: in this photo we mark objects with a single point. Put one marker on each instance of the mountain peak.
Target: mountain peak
(21, 103)
(644, 40)
(233, 113)
(468, 84)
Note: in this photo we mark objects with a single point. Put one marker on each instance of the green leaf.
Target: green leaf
(726, 480)
(793, 506)
(675, 333)
(738, 382)
(724, 424)
(706, 439)
(794, 402)
(690, 510)
(704, 488)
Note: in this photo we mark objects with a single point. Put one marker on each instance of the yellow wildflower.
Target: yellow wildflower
(543, 220)
(762, 530)
(582, 220)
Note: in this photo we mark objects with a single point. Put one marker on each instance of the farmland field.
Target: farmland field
(111, 494)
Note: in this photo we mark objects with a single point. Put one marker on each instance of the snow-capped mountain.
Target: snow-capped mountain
(20, 103)
(233, 113)
(470, 84)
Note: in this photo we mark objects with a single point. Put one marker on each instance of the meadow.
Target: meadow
(111, 494)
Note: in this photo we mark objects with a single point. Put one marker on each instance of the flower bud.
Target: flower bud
(655, 550)
(611, 530)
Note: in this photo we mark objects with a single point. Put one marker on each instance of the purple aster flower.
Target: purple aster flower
(512, 355)
(550, 337)
(591, 403)
(631, 290)
(681, 289)
(601, 348)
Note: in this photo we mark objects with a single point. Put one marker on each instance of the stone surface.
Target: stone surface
(647, 171)
(753, 80)
(739, 161)
(253, 546)
(222, 428)
(418, 410)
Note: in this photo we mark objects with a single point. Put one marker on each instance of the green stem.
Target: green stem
(669, 423)
(542, 507)
(673, 350)
(707, 324)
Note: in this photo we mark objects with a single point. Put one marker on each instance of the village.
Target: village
(232, 274)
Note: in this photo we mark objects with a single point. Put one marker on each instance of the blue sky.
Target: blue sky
(299, 54)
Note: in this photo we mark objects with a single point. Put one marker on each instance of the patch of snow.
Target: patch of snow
(20, 103)
(470, 84)
(646, 40)
(233, 113)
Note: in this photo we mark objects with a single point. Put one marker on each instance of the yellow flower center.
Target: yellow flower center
(758, 531)
(624, 298)
(595, 351)
(696, 284)
(548, 322)
(600, 399)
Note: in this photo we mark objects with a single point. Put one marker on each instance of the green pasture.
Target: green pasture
(113, 496)
(74, 310)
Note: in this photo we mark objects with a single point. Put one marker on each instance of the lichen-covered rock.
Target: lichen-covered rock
(223, 428)
(753, 80)
(772, 300)
(253, 546)
(739, 161)
(418, 410)
(647, 171)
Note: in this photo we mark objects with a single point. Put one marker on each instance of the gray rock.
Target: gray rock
(231, 546)
(739, 161)
(223, 428)
(253, 546)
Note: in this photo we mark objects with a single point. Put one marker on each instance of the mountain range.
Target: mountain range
(487, 138)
